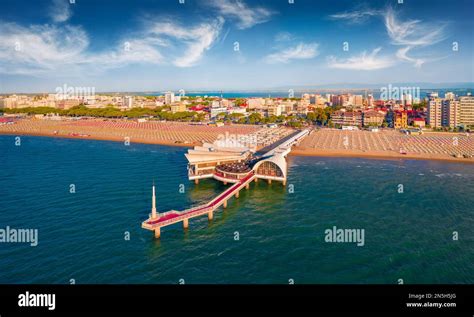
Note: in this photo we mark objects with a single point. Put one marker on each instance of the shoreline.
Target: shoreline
(113, 139)
(296, 151)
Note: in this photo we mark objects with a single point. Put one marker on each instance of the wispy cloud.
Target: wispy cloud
(60, 10)
(357, 16)
(65, 50)
(413, 32)
(284, 37)
(402, 55)
(196, 40)
(363, 61)
(300, 51)
(41, 49)
(239, 11)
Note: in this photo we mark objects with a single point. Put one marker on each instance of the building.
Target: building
(449, 96)
(370, 100)
(450, 113)
(169, 98)
(128, 101)
(217, 110)
(178, 107)
(400, 119)
(356, 100)
(434, 112)
(343, 118)
(274, 110)
(419, 122)
(466, 111)
(373, 118)
(255, 103)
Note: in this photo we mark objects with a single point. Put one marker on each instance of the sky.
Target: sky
(158, 45)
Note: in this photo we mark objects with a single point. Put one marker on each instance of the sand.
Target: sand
(327, 142)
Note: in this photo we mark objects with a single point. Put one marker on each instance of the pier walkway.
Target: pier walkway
(270, 166)
(155, 222)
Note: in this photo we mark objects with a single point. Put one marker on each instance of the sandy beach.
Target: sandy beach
(386, 144)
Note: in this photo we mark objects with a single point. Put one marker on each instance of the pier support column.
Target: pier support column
(225, 203)
(237, 194)
(247, 186)
(284, 182)
(185, 223)
(225, 183)
(157, 233)
(269, 181)
(196, 181)
(210, 215)
(256, 180)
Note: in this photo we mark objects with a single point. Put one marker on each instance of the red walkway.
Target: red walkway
(213, 204)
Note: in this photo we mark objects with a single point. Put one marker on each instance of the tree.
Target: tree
(254, 118)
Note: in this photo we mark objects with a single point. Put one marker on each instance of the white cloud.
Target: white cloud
(245, 16)
(60, 10)
(413, 32)
(196, 40)
(356, 17)
(284, 37)
(64, 49)
(362, 62)
(40, 49)
(402, 55)
(300, 51)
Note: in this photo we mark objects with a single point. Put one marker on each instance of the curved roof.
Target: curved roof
(277, 159)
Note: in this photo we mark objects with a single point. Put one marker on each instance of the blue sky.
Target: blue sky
(154, 45)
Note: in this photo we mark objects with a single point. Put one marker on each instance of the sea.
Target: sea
(298, 92)
(87, 199)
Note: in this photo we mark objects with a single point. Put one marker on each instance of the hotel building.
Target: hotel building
(466, 111)
(373, 118)
(435, 112)
(344, 118)
(450, 112)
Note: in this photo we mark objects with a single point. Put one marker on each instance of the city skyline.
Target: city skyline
(231, 45)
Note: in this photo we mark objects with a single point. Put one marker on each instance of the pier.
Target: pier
(236, 166)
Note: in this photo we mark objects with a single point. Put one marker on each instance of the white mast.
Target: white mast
(153, 203)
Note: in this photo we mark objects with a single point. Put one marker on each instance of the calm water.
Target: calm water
(297, 93)
(81, 235)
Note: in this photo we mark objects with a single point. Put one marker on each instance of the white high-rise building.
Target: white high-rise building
(449, 96)
(128, 101)
(169, 97)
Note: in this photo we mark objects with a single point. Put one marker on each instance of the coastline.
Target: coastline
(296, 151)
(299, 151)
(97, 138)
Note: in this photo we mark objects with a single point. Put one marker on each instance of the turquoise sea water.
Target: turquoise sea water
(408, 235)
(298, 92)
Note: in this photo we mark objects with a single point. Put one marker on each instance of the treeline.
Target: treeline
(112, 112)
(319, 116)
